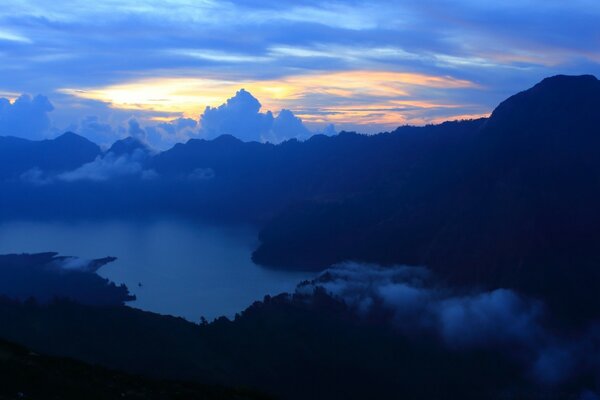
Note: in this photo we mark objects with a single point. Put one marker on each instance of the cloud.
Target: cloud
(25, 117)
(106, 133)
(95, 130)
(353, 96)
(286, 126)
(74, 263)
(240, 116)
(47, 276)
(192, 56)
(329, 130)
(13, 37)
(36, 176)
(490, 317)
(111, 166)
(105, 167)
(166, 134)
(135, 130)
(414, 302)
(415, 299)
(69, 263)
(503, 46)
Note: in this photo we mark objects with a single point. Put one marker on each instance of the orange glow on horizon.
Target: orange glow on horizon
(335, 93)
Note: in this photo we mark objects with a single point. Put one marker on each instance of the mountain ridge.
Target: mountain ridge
(516, 189)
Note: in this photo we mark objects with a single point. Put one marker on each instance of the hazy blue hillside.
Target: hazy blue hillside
(66, 152)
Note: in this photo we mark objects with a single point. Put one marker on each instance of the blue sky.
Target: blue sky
(365, 66)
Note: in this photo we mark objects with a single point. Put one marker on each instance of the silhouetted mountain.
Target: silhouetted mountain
(505, 201)
(64, 153)
(293, 348)
(557, 108)
(514, 205)
(27, 375)
(256, 181)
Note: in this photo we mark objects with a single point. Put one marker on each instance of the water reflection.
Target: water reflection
(172, 266)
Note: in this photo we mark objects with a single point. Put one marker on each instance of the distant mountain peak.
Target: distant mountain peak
(568, 80)
(555, 104)
(226, 139)
(127, 146)
(71, 137)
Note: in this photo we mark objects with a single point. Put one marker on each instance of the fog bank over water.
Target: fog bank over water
(185, 269)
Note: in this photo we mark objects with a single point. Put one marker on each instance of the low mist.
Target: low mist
(416, 303)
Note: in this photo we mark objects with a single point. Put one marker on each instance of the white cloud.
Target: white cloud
(25, 117)
(166, 134)
(463, 320)
(111, 166)
(286, 126)
(13, 37)
(136, 131)
(95, 130)
(240, 116)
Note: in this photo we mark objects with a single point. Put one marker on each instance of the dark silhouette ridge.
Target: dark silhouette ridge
(505, 201)
(67, 152)
(289, 347)
(516, 206)
(551, 107)
(25, 374)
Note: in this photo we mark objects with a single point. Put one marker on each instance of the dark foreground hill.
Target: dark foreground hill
(356, 332)
(289, 348)
(28, 375)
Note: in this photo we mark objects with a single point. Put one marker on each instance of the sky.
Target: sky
(111, 68)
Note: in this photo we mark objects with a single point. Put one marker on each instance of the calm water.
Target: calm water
(185, 269)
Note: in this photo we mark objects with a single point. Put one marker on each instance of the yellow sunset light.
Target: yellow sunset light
(336, 90)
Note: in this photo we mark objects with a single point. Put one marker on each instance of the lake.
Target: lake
(173, 266)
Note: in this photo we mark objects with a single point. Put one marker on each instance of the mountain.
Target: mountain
(28, 375)
(507, 201)
(513, 205)
(503, 212)
(255, 181)
(290, 348)
(64, 153)
(560, 105)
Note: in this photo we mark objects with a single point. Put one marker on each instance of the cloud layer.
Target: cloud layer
(342, 62)
(107, 166)
(110, 166)
(26, 116)
(240, 116)
(413, 301)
